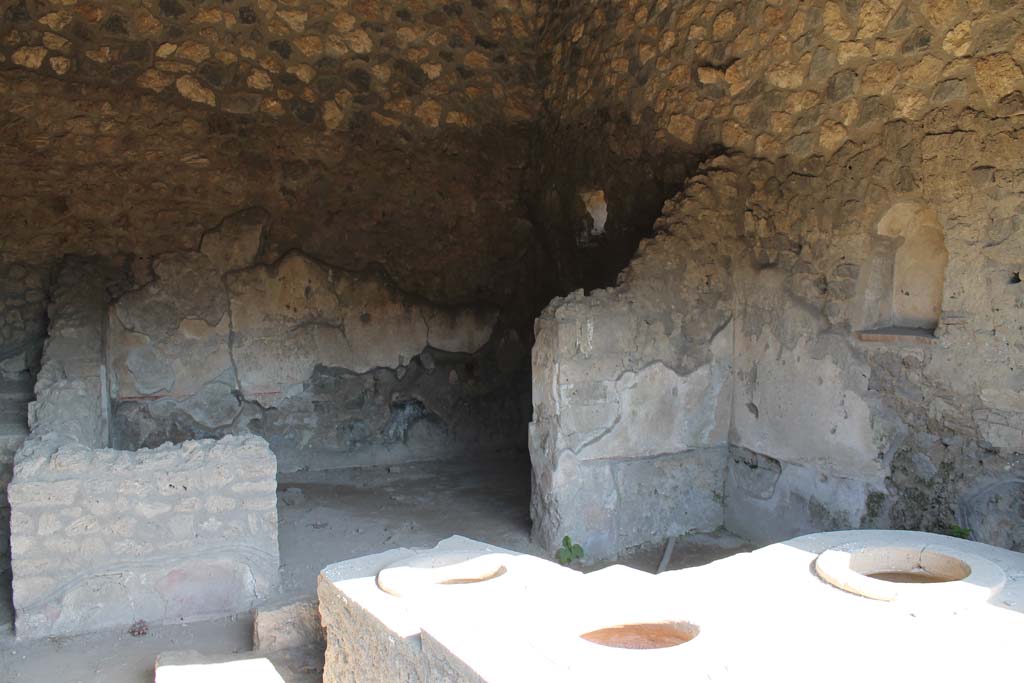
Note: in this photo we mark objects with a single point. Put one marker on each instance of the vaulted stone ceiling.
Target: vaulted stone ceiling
(376, 134)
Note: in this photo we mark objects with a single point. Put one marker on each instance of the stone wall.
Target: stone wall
(22, 318)
(14, 398)
(23, 294)
(858, 132)
(335, 368)
(70, 403)
(72, 397)
(633, 396)
(103, 538)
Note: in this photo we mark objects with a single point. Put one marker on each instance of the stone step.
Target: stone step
(13, 412)
(15, 395)
(12, 442)
(13, 435)
(16, 398)
(296, 665)
(289, 622)
(13, 426)
(21, 390)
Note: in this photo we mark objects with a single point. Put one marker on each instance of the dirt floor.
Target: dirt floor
(327, 517)
(693, 550)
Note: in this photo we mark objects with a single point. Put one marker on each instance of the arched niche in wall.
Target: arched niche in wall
(906, 274)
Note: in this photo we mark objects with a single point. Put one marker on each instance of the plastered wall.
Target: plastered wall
(335, 368)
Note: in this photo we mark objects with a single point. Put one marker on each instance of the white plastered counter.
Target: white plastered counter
(762, 616)
(373, 635)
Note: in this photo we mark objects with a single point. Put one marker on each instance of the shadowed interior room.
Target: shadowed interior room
(642, 296)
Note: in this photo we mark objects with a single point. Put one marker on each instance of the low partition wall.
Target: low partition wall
(630, 423)
(103, 538)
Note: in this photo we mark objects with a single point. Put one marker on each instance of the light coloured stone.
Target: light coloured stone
(852, 51)
(208, 15)
(56, 20)
(60, 65)
(259, 80)
(997, 75)
(101, 55)
(477, 60)
(192, 89)
(29, 57)
(332, 116)
(879, 78)
(874, 16)
(296, 19)
(155, 80)
(789, 75)
(709, 75)
(52, 41)
(723, 24)
(941, 12)
(833, 135)
(683, 127)
(288, 624)
(359, 42)
(193, 52)
(303, 72)
(957, 40)
(834, 24)
(429, 113)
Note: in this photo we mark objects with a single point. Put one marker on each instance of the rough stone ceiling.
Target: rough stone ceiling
(135, 127)
(433, 64)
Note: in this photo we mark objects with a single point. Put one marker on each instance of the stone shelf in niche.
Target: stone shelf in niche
(897, 335)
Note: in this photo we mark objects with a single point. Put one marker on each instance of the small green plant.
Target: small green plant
(568, 552)
(958, 531)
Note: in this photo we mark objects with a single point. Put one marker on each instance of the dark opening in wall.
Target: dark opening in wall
(404, 414)
(597, 208)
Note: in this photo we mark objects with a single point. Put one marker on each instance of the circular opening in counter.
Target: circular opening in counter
(461, 580)
(432, 570)
(908, 565)
(909, 577)
(921, 573)
(652, 636)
